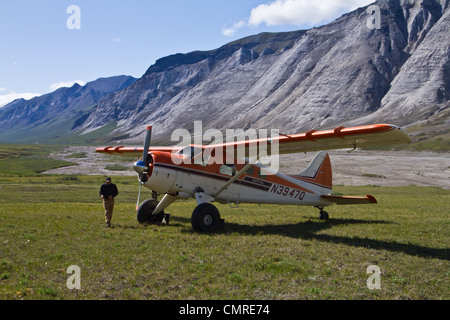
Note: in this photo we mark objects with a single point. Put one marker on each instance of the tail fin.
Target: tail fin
(319, 172)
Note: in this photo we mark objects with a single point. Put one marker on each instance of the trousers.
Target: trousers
(108, 205)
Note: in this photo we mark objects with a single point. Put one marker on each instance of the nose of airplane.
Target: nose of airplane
(139, 166)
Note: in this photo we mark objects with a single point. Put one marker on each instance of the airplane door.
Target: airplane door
(232, 193)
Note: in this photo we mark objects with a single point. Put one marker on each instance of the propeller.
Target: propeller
(148, 137)
(147, 163)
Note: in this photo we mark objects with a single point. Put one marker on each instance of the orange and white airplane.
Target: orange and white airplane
(173, 173)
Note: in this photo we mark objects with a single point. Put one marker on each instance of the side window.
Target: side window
(250, 171)
(260, 174)
(229, 170)
(226, 170)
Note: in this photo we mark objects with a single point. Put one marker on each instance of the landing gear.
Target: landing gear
(323, 215)
(206, 218)
(145, 213)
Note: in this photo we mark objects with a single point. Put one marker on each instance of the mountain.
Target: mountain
(419, 95)
(344, 73)
(296, 81)
(53, 116)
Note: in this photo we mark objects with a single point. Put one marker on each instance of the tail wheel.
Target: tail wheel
(323, 215)
(145, 212)
(206, 218)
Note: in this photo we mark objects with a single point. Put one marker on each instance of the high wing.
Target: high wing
(338, 138)
(312, 140)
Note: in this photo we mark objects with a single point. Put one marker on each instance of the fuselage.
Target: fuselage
(257, 185)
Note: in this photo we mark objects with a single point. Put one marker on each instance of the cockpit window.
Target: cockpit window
(190, 151)
(193, 155)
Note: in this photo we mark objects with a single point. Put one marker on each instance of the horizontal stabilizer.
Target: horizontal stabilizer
(350, 200)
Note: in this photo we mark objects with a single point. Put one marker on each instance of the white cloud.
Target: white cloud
(302, 12)
(11, 96)
(57, 85)
(305, 13)
(230, 31)
(6, 98)
(117, 39)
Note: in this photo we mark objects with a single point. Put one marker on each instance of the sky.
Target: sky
(48, 44)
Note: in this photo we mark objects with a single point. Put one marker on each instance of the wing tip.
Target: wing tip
(371, 198)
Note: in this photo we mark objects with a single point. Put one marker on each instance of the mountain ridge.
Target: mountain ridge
(57, 112)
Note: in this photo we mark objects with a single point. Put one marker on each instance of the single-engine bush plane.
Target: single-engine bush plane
(173, 173)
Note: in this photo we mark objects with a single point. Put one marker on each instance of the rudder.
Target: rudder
(319, 172)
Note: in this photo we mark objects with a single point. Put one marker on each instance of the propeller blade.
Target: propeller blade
(148, 137)
(143, 176)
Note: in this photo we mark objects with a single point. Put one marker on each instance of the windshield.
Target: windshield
(190, 151)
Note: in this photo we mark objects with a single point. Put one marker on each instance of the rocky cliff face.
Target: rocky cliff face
(421, 88)
(300, 80)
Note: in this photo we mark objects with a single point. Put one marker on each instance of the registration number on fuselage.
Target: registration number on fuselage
(287, 191)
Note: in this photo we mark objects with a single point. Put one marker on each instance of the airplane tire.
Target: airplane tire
(206, 218)
(145, 212)
(323, 215)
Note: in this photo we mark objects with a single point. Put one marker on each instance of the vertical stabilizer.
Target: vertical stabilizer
(319, 172)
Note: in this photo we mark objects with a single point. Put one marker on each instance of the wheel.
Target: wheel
(145, 212)
(206, 218)
(323, 215)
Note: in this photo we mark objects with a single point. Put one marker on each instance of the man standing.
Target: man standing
(108, 191)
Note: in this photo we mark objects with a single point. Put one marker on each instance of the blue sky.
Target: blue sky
(44, 45)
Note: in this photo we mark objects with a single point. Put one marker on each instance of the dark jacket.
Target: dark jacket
(108, 190)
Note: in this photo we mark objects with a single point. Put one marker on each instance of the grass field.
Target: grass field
(28, 160)
(48, 223)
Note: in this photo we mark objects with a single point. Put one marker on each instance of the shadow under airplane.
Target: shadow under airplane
(309, 231)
